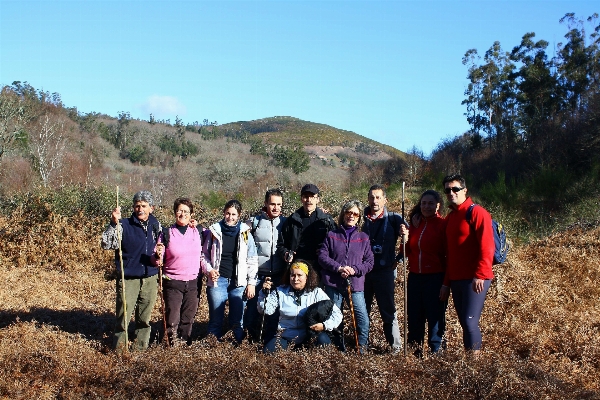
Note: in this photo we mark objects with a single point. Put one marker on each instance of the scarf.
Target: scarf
(229, 230)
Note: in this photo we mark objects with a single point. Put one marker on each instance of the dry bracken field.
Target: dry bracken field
(541, 328)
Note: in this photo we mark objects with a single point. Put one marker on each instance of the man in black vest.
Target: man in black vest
(138, 240)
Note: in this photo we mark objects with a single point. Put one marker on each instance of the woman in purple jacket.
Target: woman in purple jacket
(345, 258)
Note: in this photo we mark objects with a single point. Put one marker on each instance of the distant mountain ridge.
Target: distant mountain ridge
(284, 130)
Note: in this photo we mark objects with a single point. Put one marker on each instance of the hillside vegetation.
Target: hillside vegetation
(45, 144)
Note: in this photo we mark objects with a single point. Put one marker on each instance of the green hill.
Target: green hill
(294, 131)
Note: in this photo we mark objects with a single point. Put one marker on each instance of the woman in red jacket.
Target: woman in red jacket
(427, 265)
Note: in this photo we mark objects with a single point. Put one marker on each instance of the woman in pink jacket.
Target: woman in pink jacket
(182, 261)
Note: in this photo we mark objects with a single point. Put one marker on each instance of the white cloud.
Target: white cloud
(163, 106)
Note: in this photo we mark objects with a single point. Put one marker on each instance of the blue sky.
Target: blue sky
(388, 70)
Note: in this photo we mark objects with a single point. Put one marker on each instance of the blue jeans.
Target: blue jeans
(217, 296)
(469, 306)
(276, 342)
(380, 284)
(424, 305)
(261, 328)
(360, 313)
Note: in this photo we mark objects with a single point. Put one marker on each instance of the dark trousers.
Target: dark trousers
(181, 304)
(261, 327)
(380, 285)
(425, 306)
(469, 306)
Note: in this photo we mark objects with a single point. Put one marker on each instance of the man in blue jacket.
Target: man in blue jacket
(138, 240)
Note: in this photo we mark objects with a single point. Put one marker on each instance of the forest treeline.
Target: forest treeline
(534, 114)
(533, 147)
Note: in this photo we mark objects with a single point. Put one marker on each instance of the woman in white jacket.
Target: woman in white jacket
(293, 300)
(231, 268)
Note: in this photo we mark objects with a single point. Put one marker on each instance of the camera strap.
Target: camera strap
(385, 225)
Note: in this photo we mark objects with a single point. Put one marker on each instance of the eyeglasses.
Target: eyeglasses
(184, 212)
(455, 189)
(352, 214)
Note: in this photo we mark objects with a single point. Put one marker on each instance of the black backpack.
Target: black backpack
(501, 244)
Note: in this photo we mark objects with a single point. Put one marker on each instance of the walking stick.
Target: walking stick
(123, 297)
(162, 304)
(349, 287)
(405, 284)
(262, 320)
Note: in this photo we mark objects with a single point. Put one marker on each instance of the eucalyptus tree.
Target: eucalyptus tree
(579, 61)
(539, 93)
(491, 97)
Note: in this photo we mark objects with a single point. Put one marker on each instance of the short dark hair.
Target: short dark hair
(185, 201)
(235, 204)
(377, 186)
(416, 210)
(453, 178)
(312, 280)
(348, 205)
(273, 192)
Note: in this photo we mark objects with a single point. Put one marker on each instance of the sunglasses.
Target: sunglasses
(352, 213)
(455, 189)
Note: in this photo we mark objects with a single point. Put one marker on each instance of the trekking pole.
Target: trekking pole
(349, 287)
(162, 304)
(405, 283)
(123, 297)
(262, 320)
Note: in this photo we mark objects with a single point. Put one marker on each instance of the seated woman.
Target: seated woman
(231, 265)
(345, 258)
(293, 300)
(181, 247)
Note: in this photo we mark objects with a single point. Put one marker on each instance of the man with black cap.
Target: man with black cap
(305, 230)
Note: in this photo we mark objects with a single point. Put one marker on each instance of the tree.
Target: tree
(48, 146)
(578, 62)
(539, 93)
(415, 166)
(491, 105)
(14, 115)
(294, 158)
(179, 127)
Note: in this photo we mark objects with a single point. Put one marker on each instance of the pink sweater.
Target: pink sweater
(183, 257)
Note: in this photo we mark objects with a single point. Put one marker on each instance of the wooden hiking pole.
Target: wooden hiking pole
(349, 287)
(123, 297)
(162, 304)
(405, 283)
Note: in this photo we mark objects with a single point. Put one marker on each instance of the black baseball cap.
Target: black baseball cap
(309, 187)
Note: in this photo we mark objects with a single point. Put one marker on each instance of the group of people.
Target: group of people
(286, 280)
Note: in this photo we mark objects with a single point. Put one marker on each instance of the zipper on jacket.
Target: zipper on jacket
(419, 243)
